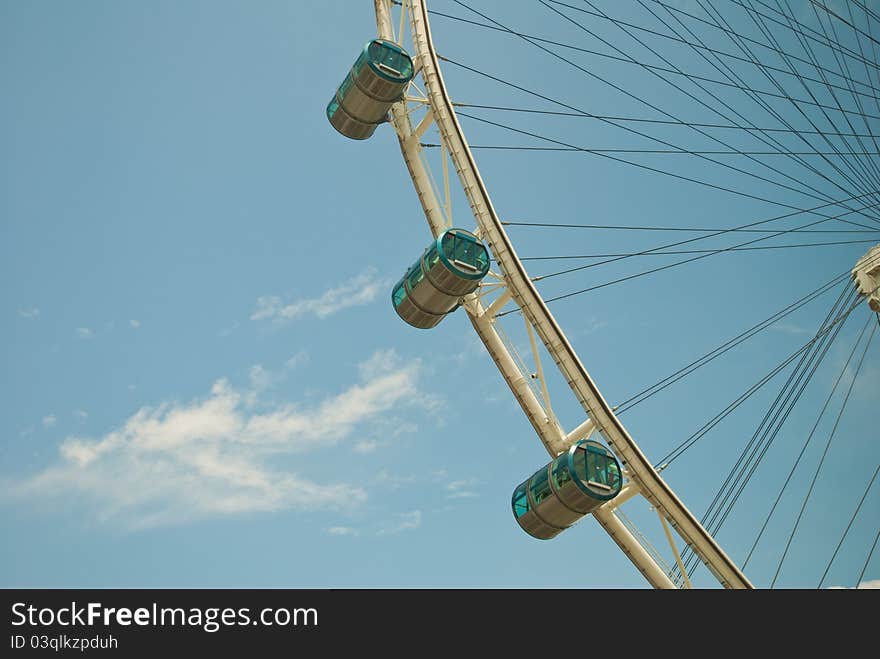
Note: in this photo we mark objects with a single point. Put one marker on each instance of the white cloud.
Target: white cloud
(359, 290)
(384, 388)
(496, 396)
(49, 420)
(134, 323)
(263, 379)
(393, 481)
(260, 377)
(229, 330)
(299, 359)
(31, 313)
(789, 328)
(342, 530)
(461, 489)
(216, 456)
(864, 585)
(407, 522)
(268, 306)
(81, 415)
(366, 446)
(868, 384)
(591, 325)
(378, 363)
(470, 347)
(85, 333)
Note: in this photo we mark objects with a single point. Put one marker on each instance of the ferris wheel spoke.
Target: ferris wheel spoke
(499, 303)
(424, 124)
(415, 92)
(676, 553)
(539, 371)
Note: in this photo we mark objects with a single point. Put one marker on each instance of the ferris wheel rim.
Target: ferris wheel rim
(641, 471)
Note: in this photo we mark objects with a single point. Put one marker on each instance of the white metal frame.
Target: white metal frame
(512, 284)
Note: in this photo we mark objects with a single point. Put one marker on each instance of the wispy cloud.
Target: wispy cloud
(342, 530)
(788, 328)
(260, 378)
(49, 420)
(134, 323)
(30, 313)
(495, 396)
(470, 347)
(392, 480)
(85, 333)
(217, 456)
(366, 446)
(405, 522)
(868, 383)
(228, 330)
(359, 290)
(594, 324)
(301, 358)
(385, 383)
(864, 585)
(263, 379)
(80, 415)
(461, 489)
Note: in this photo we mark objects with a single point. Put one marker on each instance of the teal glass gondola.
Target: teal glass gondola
(376, 81)
(570, 487)
(451, 267)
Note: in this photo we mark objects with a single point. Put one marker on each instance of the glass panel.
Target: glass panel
(580, 464)
(432, 257)
(613, 475)
(560, 471)
(540, 486)
(482, 258)
(521, 500)
(415, 276)
(392, 58)
(399, 294)
(446, 245)
(375, 51)
(402, 63)
(462, 248)
(596, 463)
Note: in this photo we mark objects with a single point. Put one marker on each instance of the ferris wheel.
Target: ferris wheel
(596, 466)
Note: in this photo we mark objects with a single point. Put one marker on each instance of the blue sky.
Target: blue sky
(205, 384)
